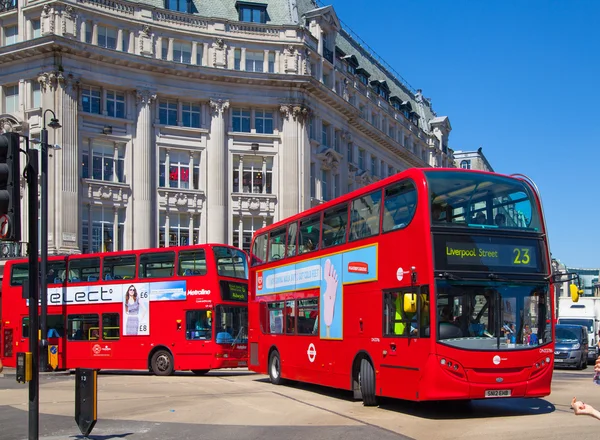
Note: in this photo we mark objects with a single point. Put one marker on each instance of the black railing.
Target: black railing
(8, 5)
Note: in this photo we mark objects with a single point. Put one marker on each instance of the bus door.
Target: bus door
(406, 338)
(199, 334)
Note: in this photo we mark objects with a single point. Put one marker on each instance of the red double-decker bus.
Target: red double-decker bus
(167, 309)
(431, 284)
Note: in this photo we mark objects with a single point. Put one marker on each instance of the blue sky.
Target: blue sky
(518, 78)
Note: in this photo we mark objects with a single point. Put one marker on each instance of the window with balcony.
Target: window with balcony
(176, 231)
(90, 99)
(255, 61)
(240, 120)
(102, 229)
(36, 28)
(178, 5)
(107, 162)
(11, 99)
(256, 174)
(182, 52)
(167, 112)
(244, 230)
(263, 121)
(115, 104)
(11, 34)
(183, 169)
(252, 12)
(107, 37)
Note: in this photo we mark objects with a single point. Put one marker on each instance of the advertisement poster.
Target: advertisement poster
(136, 310)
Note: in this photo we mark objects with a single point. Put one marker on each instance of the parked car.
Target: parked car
(571, 346)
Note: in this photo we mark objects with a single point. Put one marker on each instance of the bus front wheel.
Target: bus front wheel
(275, 368)
(162, 363)
(367, 383)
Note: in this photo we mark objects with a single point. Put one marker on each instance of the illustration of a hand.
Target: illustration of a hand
(331, 281)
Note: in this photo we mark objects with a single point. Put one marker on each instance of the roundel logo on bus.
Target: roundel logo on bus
(400, 273)
(259, 280)
(311, 352)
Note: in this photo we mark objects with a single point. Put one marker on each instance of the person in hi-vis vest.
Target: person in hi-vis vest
(402, 319)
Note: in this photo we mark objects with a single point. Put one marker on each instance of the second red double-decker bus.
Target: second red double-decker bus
(176, 308)
(431, 284)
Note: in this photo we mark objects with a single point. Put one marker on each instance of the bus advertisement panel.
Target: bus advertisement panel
(176, 308)
(402, 289)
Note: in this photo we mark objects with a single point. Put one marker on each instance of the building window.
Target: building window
(271, 62)
(190, 115)
(324, 189)
(373, 166)
(252, 13)
(237, 59)
(115, 104)
(361, 159)
(248, 227)
(167, 112)
(312, 180)
(350, 152)
(255, 61)
(178, 5)
(324, 134)
(257, 174)
(263, 121)
(89, 28)
(182, 52)
(465, 164)
(11, 99)
(241, 120)
(178, 229)
(107, 37)
(90, 99)
(100, 237)
(180, 175)
(11, 33)
(391, 171)
(199, 54)
(107, 164)
(36, 94)
(36, 28)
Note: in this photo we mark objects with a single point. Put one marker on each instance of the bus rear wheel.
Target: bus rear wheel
(275, 368)
(367, 383)
(162, 363)
(200, 372)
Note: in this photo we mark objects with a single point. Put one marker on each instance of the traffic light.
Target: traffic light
(10, 188)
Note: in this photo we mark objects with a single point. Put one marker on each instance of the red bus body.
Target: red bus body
(176, 308)
(336, 316)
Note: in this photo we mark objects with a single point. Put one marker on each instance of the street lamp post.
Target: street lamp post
(44, 240)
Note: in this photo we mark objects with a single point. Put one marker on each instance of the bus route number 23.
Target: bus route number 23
(521, 256)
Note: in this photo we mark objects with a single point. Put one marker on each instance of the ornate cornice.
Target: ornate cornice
(145, 97)
(218, 106)
(299, 112)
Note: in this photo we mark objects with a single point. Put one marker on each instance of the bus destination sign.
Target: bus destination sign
(484, 253)
(231, 291)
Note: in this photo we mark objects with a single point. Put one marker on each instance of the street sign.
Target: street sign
(86, 399)
(4, 226)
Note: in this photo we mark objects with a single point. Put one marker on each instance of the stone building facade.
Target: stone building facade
(189, 122)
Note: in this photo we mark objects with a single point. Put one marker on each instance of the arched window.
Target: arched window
(465, 164)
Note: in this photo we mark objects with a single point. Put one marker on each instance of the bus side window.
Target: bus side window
(310, 233)
(308, 316)
(401, 323)
(19, 273)
(292, 240)
(277, 244)
(118, 268)
(111, 326)
(83, 269)
(399, 206)
(83, 327)
(334, 226)
(157, 264)
(56, 272)
(192, 263)
(259, 250)
(364, 216)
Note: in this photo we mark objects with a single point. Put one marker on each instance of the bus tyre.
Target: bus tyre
(367, 383)
(200, 372)
(275, 368)
(162, 363)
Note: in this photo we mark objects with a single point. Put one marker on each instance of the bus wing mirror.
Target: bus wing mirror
(410, 302)
(575, 292)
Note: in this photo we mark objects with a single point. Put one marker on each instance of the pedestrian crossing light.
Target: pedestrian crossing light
(10, 190)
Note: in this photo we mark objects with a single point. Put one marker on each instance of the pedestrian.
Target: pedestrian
(1, 366)
(581, 408)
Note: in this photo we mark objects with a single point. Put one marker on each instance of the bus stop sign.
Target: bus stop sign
(86, 399)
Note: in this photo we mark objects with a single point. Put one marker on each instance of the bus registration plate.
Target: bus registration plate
(497, 393)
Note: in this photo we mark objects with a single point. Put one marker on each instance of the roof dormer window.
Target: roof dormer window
(178, 5)
(251, 12)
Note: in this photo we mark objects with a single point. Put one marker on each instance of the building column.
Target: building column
(290, 160)
(167, 230)
(115, 228)
(66, 162)
(144, 216)
(216, 194)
